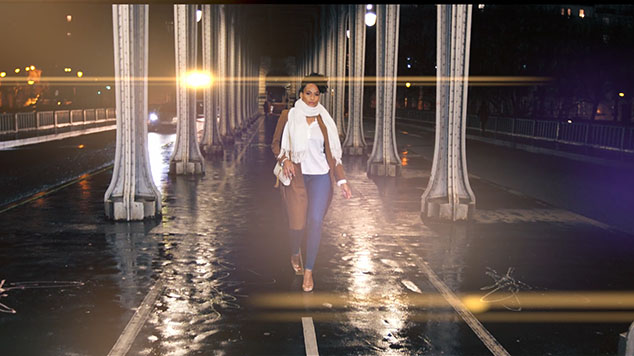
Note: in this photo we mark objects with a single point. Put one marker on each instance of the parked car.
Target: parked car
(162, 117)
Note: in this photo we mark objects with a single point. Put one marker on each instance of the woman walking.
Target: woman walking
(306, 144)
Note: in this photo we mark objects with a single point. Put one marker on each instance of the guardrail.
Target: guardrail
(30, 122)
(609, 137)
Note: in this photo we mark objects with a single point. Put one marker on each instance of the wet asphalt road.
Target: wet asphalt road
(218, 259)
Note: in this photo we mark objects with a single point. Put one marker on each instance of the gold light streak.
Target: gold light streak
(368, 81)
(473, 301)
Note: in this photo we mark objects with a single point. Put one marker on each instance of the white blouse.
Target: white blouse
(315, 161)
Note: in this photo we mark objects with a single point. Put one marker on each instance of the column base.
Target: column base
(439, 209)
(354, 151)
(186, 168)
(139, 210)
(211, 150)
(384, 170)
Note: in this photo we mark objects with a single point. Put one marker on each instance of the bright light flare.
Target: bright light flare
(198, 79)
(153, 117)
(3, 74)
(30, 82)
(408, 84)
(370, 19)
(621, 94)
(17, 70)
(80, 74)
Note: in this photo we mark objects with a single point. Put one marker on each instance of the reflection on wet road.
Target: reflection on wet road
(213, 277)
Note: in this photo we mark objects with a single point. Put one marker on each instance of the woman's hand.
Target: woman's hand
(289, 168)
(345, 190)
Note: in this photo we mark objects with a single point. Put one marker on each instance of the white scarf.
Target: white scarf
(297, 127)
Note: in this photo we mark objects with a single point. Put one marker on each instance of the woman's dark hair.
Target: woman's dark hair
(318, 79)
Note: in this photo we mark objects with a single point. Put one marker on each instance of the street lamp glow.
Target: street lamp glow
(67, 69)
(199, 15)
(108, 87)
(27, 68)
(370, 19)
(621, 94)
(80, 74)
(3, 74)
(32, 67)
(408, 84)
(198, 79)
(17, 70)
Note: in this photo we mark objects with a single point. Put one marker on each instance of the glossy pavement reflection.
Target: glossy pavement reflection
(216, 277)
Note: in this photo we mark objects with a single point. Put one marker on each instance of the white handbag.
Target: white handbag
(279, 173)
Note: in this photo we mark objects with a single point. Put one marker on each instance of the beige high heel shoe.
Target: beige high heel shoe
(308, 287)
(298, 267)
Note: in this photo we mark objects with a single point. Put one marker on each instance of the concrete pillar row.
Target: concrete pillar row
(131, 194)
(448, 195)
(222, 73)
(355, 142)
(340, 71)
(384, 159)
(211, 143)
(186, 157)
(230, 80)
(238, 81)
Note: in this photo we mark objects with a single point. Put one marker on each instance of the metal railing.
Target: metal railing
(15, 123)
(609, 137)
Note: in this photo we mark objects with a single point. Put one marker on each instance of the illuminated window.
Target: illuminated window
(582, 13)
(569, 11)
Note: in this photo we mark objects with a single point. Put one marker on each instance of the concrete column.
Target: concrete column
(221, 70)
(238, 83)
(340, 89)
(355, 142)
(132, 194)
(186, 157)
(448, 195)
(231, 77)
(331, 52)
(211, 143)
(384, 160)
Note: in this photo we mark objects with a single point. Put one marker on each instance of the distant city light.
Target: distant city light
(198, 79)
(199, 15)
(69, 18)
(108, 87)
(59, 103)
(408, 84)
(409, 65)
(98, 92)
(370, 19)
(67, 69)
(3, 74)
(68, 34)
(27, 68)
(80, 146)
(30, 82)
(32, 67)
(621, 94)
(17, 70)
(480, 6)
(80, 74)
(570, 121)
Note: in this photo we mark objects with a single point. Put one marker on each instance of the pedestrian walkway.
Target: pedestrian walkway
(213, 276)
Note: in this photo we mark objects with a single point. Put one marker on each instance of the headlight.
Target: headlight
(153, 117)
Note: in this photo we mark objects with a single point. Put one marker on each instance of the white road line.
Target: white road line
(489, 341)
(127, 337)
(123, 344)
(310, 340)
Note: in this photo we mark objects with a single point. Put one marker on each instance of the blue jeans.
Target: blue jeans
(319, 191)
